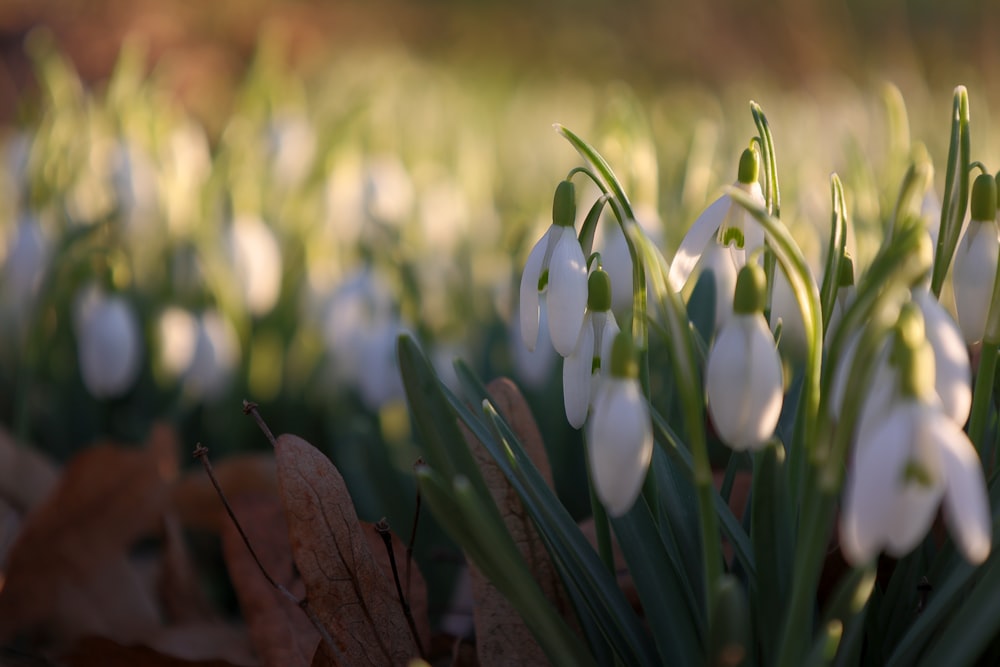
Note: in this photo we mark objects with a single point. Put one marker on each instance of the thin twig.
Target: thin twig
(413, 530)
(382, 528)
(201, 453)
(251, 408)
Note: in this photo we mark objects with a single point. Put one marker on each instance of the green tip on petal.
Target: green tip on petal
(846, 277)
(599, 291)
(751, 290)
(564, 205)
(984, 198)
(912, 355)
(624, 360)
(910, 326)
(749, 167)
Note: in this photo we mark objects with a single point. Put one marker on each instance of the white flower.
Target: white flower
(976, 261)
(216, 354)
(744, 379)
(726, 225)
(953, 374)
(109, 343)
(256, 257)
(900, 472)
(908, 459)
(582, 369)
(619, 433)
(557, 269)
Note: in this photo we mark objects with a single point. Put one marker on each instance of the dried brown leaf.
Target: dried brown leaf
(26, 475)
(205, 641)
(502, 638)
(103, 652)
(196, 501)
(345, 586)
(184, 601)
(68, 573)
(280, 632)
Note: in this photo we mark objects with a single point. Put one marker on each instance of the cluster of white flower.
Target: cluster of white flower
(909, 447)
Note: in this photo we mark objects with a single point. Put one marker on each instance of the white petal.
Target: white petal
(567, 293)
(974, 273)
(966, 501)
(785, 306)
(619, 443)
(744, 382)
(917, 502)
(529, 292)
(576, 376)
(953, 376)
(605, 338)
(696, 240)
(871, 489)
(722, 262)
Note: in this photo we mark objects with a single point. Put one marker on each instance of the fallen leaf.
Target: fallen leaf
(68, 574)
(26, 475)
(280, 632)
(103, 652)
(205, 641)
(502, 638)
(184, 601)
(196, 501)
(345, 587)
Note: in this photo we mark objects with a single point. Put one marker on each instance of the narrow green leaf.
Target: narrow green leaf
(835, 250)
(956, 189)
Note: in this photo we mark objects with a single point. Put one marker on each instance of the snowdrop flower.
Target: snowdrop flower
(721, 239)
(216, 355)
(619, 433)
(25, 265)
(557, 269)
(109, 342)
(952, 377)
(743, 379)
(582, 370)
(905, 465)
(256, 257)
(976, 261)
(953, 374)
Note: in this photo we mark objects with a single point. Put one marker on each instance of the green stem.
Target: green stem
(982, 396)
(602, 528)
(954, 204)
(810, 554)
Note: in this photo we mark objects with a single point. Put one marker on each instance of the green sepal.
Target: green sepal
(599, 291)
(751, 290)
(984, 198)
(564, 204)
(749, 167)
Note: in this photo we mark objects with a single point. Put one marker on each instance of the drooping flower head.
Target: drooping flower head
(557, 270)
(590, 359)
(744, 379)
(976, 261)
(721, 239)
(907, 463)
(619, 433)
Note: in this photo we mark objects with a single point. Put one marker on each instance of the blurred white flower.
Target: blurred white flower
(109, 342)
(901, 469)
(976, 261)
(177, 338)
(389, 192)
(743, 378)
(615, 256)
(134, 178)
(908, 458)
(591, 358)
(556, 269)
(216, 355)
(443, 215)
(619, 433)
(292, 144)
(25, 263)
(533, 367)
(256, 257)
(360, 330)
